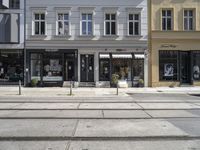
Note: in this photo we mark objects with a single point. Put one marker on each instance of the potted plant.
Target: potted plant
(115, 78)
(141, 83)
(34, 82)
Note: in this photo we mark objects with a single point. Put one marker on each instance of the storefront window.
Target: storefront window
(168, 69)
(35, 66)
(104, 67)
(52, 67)
(138, 69)
(11, 65)
(121, 65)
(196, 65)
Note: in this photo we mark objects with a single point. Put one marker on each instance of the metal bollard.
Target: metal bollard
(20, 86)
(70, 88)
(117, 89)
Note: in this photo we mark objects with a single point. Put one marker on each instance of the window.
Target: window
(62, 24)
(167, 19)
(14, 4)
(188, 20)
(11, 66)
(104, 67)
(9, 28)
(36, 62)
(39, 24)
(86, 24)
(110, 24)
(168, 68)
(134, 24)
(196, 65)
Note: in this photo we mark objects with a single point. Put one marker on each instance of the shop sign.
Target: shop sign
(168, 46)
(51, 50)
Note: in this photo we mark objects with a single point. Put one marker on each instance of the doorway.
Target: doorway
(87, 68)
(69, 67)
(185, 67)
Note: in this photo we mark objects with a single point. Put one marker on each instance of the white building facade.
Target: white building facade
(89, 42)
(11, 41)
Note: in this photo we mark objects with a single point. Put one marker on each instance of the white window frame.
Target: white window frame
(111, 10)
(87, 21)
(40, 21)
(63, 22)
(110, 21)
(63, 10)
(38, 10)
(166, 18)
(87, 10)
(188, 19)
(134, 21)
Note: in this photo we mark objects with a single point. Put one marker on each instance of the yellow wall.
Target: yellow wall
(171, 40)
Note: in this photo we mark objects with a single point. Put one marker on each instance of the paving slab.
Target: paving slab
(109, 106)
(125, 114)
(48, 106)
(9, 105)
(51, 114)
(36, 128)
(169, 106)
(135, 145)
(171, 114)
(127, 128)
(34, 145)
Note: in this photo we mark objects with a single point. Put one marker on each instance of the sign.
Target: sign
(168, 46)
(169, 70)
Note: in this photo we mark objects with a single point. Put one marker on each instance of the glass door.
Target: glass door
(87, 68)
(69, 67)
(185, 68)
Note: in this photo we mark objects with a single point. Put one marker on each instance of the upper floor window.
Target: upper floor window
(39, 24)
(110, 24)
(167, 22)
(188, 20)
(14, 4)
(86, 24)
(134, 24)
(63, 24)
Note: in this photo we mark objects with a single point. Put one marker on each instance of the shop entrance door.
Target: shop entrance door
(69, 67)
(185, 68)
(87, 68)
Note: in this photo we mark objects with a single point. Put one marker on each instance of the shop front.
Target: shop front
(52, 67)
(11, 66)
(127, 67)
(179, 66)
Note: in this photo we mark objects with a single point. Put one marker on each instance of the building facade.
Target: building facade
(89, 42)
(11, 41)
(174, 43)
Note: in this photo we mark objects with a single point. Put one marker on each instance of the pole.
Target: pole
(71, 88)
(117, 89)
(20, 85)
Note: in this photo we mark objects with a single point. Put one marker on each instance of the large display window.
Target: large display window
(104, 67)
(168, 65)
(11, 66)
(196, 65)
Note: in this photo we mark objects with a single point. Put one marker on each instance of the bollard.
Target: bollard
(70, 88)
(117, 89)
(20, 85)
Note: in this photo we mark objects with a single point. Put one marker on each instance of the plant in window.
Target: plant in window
(115, 78)
(34, 82)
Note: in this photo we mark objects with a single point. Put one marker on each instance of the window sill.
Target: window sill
(62, 36)
(134, 36)
(86, 36)
(38, 36)
(111, 36)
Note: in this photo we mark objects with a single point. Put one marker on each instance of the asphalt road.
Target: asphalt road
(153, 121)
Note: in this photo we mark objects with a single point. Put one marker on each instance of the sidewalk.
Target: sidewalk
(92, 92)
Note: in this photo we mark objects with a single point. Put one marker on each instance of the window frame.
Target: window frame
(87, 22)
(166, 18)
(110, 21)
(15, 6)
(134, 21)
(63, 22)
(188, 19)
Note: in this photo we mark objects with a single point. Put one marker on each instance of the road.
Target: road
(153, 121)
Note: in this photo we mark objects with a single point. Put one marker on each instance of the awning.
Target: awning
(139, 56)
(122, 55)
(104, 56)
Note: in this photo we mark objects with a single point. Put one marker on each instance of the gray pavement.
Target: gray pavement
(141, 121)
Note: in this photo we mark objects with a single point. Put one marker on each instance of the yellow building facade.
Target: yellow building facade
(174, 42)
